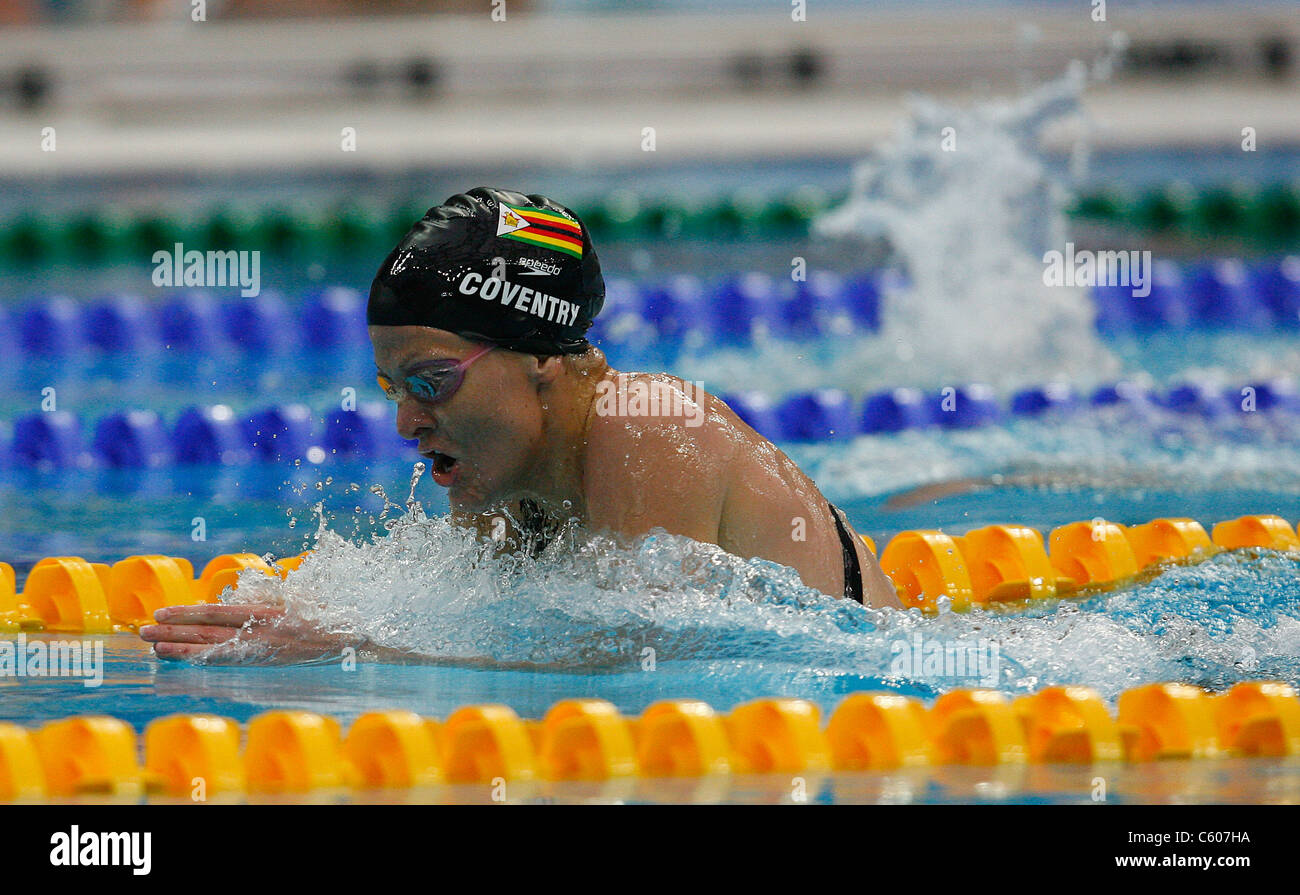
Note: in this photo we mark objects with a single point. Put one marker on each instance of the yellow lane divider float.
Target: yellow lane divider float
(67, 594)
(589, 740)
(1006, 565)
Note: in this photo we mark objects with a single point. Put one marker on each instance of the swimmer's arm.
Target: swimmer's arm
(242, 634)
(260, 634)
(933, 492)
(369, 651)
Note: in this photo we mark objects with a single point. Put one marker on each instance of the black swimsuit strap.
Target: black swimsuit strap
(852, 569)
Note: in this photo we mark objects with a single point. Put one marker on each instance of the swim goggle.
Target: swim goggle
(432, 382)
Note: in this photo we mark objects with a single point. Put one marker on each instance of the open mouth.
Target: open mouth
(444, 467)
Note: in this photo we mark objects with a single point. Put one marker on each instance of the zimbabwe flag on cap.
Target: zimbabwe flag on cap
(539, 227)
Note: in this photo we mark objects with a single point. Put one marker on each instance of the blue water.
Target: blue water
(627, 622)
(754, 632)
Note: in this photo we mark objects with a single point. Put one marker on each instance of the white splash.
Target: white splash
(590, 604)
(965, 199)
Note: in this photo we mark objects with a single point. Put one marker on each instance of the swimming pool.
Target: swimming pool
(259, 433)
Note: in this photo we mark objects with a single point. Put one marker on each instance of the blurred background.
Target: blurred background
(828, 215)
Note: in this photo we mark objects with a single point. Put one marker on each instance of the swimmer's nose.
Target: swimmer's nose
(412, 419)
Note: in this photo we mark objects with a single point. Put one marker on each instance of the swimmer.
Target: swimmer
(478, 321)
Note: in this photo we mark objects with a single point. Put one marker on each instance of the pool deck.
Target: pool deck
(580, 90)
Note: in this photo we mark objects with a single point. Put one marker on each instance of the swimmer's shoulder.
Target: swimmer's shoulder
(640, 414)
(655, 457)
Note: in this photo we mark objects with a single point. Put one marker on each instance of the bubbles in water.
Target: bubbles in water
(378, 491)
(412, 505)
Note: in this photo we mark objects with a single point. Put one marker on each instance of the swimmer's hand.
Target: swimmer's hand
(241, 634)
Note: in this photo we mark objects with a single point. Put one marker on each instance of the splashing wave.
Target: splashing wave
(591, 604)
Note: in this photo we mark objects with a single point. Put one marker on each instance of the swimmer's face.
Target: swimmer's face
(484, 441)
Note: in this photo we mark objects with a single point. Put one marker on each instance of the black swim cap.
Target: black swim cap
(497, 266)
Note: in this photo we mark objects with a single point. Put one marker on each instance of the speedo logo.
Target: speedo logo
(539, 304)
(538, 266)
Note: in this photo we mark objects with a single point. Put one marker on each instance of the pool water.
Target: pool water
(624, 622)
